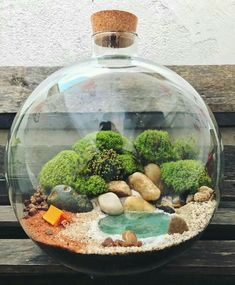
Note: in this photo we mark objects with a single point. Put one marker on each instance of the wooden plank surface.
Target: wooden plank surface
(216, 83)
(206, 257)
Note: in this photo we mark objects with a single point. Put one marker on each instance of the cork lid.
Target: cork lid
(113, 21)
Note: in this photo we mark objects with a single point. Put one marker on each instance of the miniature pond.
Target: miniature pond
(143, 224)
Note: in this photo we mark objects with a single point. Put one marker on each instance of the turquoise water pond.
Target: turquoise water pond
(143, 224)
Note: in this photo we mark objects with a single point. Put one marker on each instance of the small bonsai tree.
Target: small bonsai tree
(184, 175)
(154, 146)
(61, 169)
(91, 186)
(185, 148)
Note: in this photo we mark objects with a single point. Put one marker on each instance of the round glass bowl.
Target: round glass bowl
(114, 165)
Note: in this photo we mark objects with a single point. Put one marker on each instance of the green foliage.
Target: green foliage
(86, 148)
(184, 175)
(107, 165)
(154, 146)
(61, 169)
(109, 140)
(86, 145)
(185, 148)
(91, 186)
(129, 163)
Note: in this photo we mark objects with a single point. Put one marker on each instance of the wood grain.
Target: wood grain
(206, 257)
(216, 84)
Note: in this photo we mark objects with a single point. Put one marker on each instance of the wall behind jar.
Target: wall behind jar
(56, 32)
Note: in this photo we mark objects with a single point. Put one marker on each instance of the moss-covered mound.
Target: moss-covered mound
(184, 175)
(62, 169)
(154, 146)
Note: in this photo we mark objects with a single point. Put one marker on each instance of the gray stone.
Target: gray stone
(65, 198)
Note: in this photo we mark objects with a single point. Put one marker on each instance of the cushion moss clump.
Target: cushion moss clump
(184, 175)
(154, 146)
(107, 165)
(86, 145)
(129, 163)
(106, 140)
(86, 149)
(91, 186)
(185, 148)
(61, 169)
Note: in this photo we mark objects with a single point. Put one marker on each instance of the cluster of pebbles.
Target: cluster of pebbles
(129, 239)
(37, 202)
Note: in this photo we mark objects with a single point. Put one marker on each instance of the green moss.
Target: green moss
(107, 165)
(86, 144)
(92, 186)
(86, 148)
(184, 175)
(185, 148)
(106, 140)
(129, 163)
(61, 169)
(154, 146)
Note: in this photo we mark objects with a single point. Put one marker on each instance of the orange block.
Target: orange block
(54, 216)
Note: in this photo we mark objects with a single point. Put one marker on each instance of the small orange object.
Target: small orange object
(54, 216)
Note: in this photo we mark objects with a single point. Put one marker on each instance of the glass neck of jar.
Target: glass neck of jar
(114, 43)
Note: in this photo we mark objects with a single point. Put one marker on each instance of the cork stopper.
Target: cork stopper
(113, 21)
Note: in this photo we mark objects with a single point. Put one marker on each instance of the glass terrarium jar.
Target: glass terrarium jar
(114, 163)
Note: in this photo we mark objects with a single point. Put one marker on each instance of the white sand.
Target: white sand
(85, 229)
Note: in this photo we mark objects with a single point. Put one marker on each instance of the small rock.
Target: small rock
(137, 204)
(33, 200)
(167, 209)
(201, 197)
(49, 232)
(118, 242)
(129, 237)
(139, 243)
(120, 188)
(206, 189)
(110, 204)
(176, 200)
(108, 242)
(153, 172)
(166, 201)
(44, 207)
(204, 194)
(176, 206)
(26, 217)
(30, 206)
(39, 200)
(32, 212)
(189, 198)
(135, 193)
(177, 225)
(65, 198)
(142, 184)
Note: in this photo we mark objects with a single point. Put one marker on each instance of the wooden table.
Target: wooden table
(211, 260)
